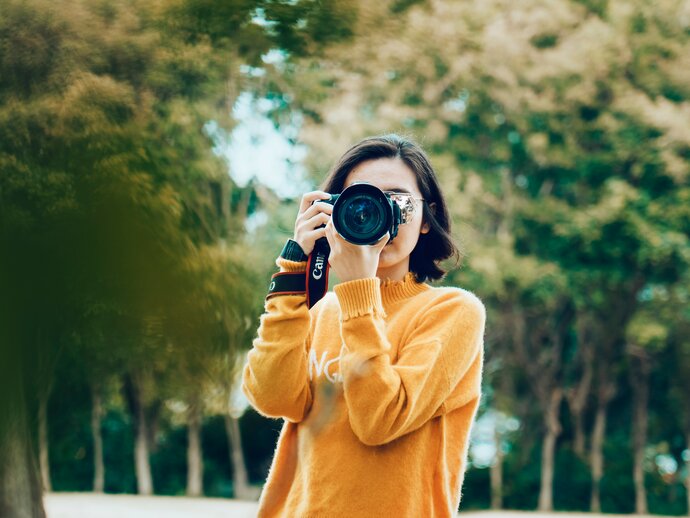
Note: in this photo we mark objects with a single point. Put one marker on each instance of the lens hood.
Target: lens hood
(362, 214)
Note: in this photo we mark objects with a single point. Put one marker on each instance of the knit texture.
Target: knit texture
(378, 385)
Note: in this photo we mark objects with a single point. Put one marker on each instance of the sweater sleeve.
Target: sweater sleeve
(275, 378)
(441, 357)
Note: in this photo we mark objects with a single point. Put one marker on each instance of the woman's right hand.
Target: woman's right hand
(311, 216)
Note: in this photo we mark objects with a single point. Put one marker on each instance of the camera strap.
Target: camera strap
(317, 271)
(287, 283)
(313, 282)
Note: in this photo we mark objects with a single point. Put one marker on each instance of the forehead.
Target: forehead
(388, 174)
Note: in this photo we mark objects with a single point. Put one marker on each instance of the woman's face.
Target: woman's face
(392, 174)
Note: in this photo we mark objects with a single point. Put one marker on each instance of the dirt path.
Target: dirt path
(89, 505)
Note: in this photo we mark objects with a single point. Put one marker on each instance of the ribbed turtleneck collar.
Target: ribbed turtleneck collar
(393, 291)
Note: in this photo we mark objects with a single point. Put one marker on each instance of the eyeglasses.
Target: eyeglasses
(406, 202)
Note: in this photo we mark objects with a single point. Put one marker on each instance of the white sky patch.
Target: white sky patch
(275, 57)
(255, 149)
(484, 432)
(255, 221)
(666, 464)
(238, 402)
(459, 104)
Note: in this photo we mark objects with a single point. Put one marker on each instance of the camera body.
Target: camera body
(363, 213)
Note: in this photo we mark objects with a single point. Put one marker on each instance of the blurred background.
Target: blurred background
(152, 156)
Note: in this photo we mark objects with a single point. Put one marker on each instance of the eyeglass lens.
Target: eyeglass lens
(407, 205)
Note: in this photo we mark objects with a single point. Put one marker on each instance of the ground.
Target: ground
(89, 505)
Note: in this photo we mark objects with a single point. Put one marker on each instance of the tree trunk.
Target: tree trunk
(43, 457)
(553, 430)
(687, 473)
(597, 456)
(578, 395)
(240, 479)
(497, 475)
(639, 381)
(605, 392)
(195, 466)
(20, 484)
(141, 456)
(142, 465)
(579, 443)
(97, 437)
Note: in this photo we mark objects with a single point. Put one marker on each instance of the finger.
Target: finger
(333, 231)
(328, 231)
(338, 236)
(313, 223)
(319, 232)
(316, 208)
(320, 219)
(309, 197)
(383, 241)
(331, 243)
(315, 234)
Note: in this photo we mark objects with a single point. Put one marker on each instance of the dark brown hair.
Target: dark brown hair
(437, 244)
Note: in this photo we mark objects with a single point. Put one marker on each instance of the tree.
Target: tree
(107, 174)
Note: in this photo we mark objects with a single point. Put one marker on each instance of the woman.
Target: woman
(379, 382)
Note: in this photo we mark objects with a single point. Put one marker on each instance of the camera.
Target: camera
(363, 213)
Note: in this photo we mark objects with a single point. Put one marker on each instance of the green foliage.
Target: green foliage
(306, 27)
(476, 489)
(168, 467)
(117, 439)
(573, 482)
(259, 436)
(71, 453)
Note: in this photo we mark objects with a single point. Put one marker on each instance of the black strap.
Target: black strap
(313, 282)
(287, 283)
(317, 271)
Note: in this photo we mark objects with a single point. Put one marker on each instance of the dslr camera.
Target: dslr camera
(363, 213)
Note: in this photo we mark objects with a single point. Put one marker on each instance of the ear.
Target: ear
(425, 228)
(425, 225)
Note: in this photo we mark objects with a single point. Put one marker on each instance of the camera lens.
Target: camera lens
(362, 214)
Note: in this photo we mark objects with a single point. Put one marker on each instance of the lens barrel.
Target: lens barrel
(363, 213)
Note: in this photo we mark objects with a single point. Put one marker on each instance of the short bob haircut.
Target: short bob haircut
(432, 247)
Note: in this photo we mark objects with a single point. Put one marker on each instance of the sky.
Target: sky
(256, 149)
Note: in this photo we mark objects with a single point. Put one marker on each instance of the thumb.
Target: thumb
(383, 241)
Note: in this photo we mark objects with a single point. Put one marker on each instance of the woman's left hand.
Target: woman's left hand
(352, 261)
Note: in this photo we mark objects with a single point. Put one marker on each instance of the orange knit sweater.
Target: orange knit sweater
(378, 385)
